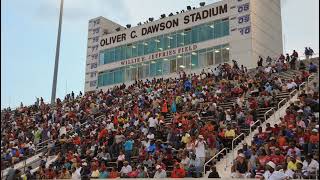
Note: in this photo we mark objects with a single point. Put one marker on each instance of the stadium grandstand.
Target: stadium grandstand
(203, 93)
(183, 127)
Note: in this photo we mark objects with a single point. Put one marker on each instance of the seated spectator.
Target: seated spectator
(312, 68)
(178, 171)
(310, 167)
(272, 172)
(240, 168)
(125, 170)
(160, 173)
(214, 173)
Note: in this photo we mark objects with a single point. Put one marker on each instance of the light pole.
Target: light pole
(56, 63)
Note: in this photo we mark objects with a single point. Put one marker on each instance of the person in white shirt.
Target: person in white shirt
(160, 173)
(310, 167)
(126, 168)
(200, 149)
(291, 85)
(272, 174)
(185, 161)
(153, 122)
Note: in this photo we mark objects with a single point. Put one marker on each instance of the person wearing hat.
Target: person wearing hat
(272, 173)
(160, 172)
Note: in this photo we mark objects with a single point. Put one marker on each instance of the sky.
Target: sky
(29, 32)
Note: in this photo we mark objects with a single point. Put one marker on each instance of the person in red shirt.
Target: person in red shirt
(178, 172)
(313, 140)
(277, 157)
(134, 173)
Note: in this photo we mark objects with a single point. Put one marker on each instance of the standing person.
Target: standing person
(200, 149)
(294, 58)
(311, 52)
(307, 53)
(260, 61)
(164, 109)
(287, 58)
(269, 60)
(128, 147)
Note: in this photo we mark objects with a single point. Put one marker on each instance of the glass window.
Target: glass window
(180, 36)
(194, 60)
(166, 42)
(166, 66)
(112, 55)
(173, 65)
(160, 43)
(146, 72)
(107, 56)
(131, 73)
(217, 29)
(210, 30)
(187, 61)
(119, 76)
(210, 60)
(135, 50)
(140, 71)
(180, 64)
(140, 48)
(173, 40)
(195, 34)
(100, 80)
(146, 47)
(202, 33)
(118, 54)
(202, 58)
(123, 52)
(152, 46)
(217, 54)
(101, 58)
(129, 51)
(225, 27)
(187, 37)
(159, 63)
(108, 78)
(225, 53)
(153, 68)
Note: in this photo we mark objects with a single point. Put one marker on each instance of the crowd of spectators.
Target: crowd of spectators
(287, 150)
(147, 127)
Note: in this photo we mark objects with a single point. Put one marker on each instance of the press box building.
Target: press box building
(192, 40)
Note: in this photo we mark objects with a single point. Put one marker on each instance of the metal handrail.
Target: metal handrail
(254, 125)
(242, 134)
(205, 164)
(292, 92)
(284, 99)
(301, 85)
(265, 114)
(311, 76)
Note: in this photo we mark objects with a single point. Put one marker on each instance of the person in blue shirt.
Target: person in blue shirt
(312, 68)
(187, 85)
(128, 146)
(152, 147)
(173, 106)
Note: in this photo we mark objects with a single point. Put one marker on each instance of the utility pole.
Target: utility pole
(56, 63)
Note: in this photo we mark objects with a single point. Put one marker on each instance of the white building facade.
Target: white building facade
(196, 39)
